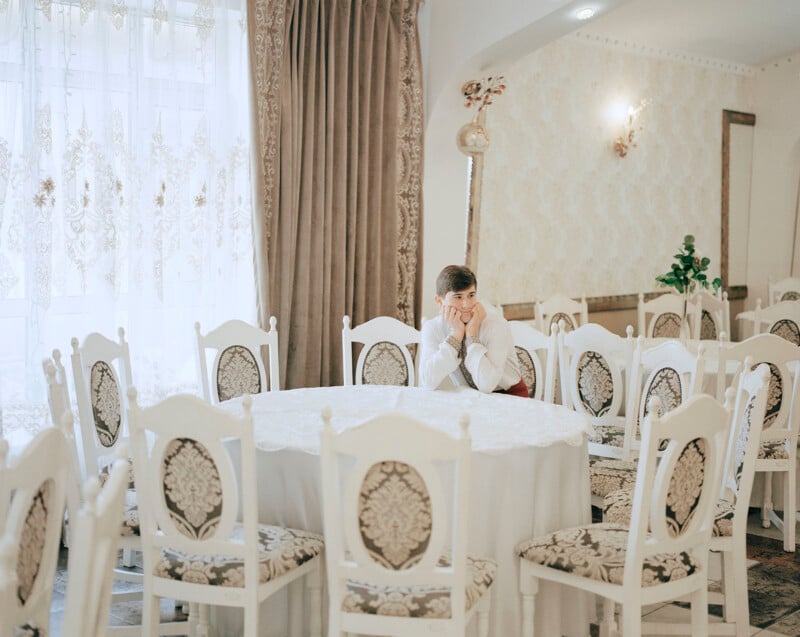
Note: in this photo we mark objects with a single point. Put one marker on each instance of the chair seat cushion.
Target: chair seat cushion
(419, 601)
(607, 475)
(106, 471)
(597, 551)
(279, 551)
(773, 450)
(617, 507)
(611, 435)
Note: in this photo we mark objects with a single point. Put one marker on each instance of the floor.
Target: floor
(774, 581)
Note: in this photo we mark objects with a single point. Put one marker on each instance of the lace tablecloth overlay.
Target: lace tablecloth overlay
(292, 419)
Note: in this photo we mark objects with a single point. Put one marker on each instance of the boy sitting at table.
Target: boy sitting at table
(473, 347)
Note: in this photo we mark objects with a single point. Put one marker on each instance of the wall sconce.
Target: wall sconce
(627, 140)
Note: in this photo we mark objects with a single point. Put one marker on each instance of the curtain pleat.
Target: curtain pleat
(338, 101)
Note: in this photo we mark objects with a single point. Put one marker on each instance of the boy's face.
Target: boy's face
(463, 300)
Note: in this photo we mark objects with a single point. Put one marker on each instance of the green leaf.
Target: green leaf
(688, 240)
(705, 261)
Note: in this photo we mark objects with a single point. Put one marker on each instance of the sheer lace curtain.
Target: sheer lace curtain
(125, 186)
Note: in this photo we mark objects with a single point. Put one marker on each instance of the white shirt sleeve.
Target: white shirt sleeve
(437, 357)
(492, 362)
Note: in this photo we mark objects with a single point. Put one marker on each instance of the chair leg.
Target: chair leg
(203, 624)
(150, 615)
(529, 586)
(127, 558)
(729, 586)
(789, 507)
(699, 612)
(632, 620)
(194, 617)
(608, 626)
(314, 584)
(766, 504)
(741, 609)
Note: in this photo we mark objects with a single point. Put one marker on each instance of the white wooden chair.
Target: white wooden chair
(781, 319)
(714, 311)
(385, 357)
(93, 554)
(238, 364)
(787, 289)
(201, 538)
(420, 580)
(561, 308)
(101, 372)
(670, 372)
(595, 367)
(729, 535)
(778, 449)
(32, 490)
(664, 553)
(537, 359)
(666, 314)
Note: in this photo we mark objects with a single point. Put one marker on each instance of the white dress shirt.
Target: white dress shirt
(492, 363)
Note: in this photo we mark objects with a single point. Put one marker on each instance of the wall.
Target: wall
(561, 212)
(776, 161)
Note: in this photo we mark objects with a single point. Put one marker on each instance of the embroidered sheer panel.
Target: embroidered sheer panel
(124, 183)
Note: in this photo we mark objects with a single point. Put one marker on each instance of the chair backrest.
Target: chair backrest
(787, 289)
(393, 461)
(667, 316)
(593, 364)
(782, 358)
(750, 406)
(781, 319)
(536, 354)
(101, 371)
(561, 308)
(93, 554)
(176, 442)
(32, 486)
(677, 487)
(670, 372)
(57, 392)
(385, 358)
(238, 365)
(714, 311)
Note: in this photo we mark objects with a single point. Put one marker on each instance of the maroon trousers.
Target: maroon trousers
(520, 389)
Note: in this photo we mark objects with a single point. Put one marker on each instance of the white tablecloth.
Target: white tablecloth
(529, 476)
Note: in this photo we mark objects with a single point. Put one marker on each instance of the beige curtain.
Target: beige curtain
(338, 141)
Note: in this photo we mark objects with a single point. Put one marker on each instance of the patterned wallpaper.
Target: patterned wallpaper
(561, 212)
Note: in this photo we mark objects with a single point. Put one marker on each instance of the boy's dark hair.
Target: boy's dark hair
(455, 278)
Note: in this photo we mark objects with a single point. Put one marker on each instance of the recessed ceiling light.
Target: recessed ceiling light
(585, 13)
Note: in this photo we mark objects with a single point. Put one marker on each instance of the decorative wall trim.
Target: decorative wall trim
(665, 54)
(527, 311)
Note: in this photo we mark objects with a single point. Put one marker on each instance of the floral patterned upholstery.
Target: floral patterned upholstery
(595, 383)
(667, 386)
(106, 471)
(279, 551)
(686, 486)
(237, 373)
(394, 514)
(667, 325)
(106, 406)
(742, 440)
(130, 520)
(598, 552)
(773, 450)
(786, 329)
(611, 435)
(790, 296)
(569, 323)
(384, 364)
(419, 601)
(32, 541)
(708, 328)
(618, 506)
(607, 475)
(527, 369)
(192, 488)
(774, 395)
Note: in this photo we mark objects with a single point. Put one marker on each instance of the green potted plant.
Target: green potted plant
(688, 272)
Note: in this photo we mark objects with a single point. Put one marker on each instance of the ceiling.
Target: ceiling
(748, 32)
